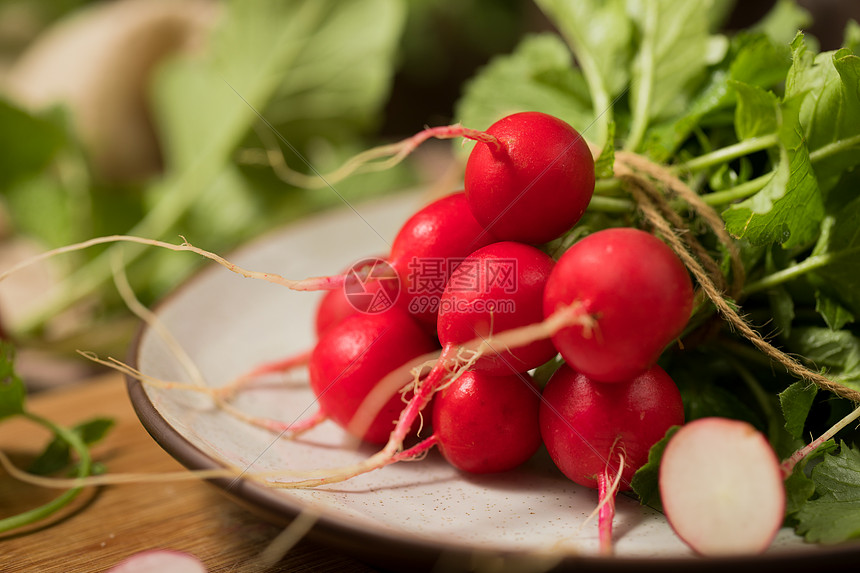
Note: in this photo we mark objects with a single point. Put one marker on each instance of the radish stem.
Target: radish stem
(83, 470)
(788, 465)
(809, 264)
(729, 152)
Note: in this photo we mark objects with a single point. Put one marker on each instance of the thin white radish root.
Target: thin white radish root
(126, 292)
(722, 487)
(119, 478)
(280, 366)
(379, 158)
(308, 284)
(223, 394)
(221, 398)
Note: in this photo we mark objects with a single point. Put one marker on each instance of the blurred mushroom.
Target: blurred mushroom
(97, 63)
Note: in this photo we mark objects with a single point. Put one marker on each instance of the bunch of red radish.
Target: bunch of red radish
(473, 303)
(609, 306)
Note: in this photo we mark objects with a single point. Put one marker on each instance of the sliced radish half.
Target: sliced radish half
(721, 487)
(160, 560)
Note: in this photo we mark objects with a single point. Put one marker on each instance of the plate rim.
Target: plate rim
(409, 551)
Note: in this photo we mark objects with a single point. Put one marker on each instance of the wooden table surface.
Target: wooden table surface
(104, 525)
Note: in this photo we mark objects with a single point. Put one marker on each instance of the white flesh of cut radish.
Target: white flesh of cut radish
(721, 487)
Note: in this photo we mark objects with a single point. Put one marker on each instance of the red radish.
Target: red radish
(722, 487)
(585, 423)
(370, 285)
(482, 424)
(354, 355)
(637, 291)
(429, 246)
(497, 288)
(486, 424)
(535, 184)
(589, 427)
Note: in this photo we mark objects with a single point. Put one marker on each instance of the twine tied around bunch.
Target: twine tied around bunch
(651, 185)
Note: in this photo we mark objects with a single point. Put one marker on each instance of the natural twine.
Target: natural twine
(648, 183)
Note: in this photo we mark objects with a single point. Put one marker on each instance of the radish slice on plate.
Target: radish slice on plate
(161, 560)
(721, 487)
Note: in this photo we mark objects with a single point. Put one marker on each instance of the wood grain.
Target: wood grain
(107, 524)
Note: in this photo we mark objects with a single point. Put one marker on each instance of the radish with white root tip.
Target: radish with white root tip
(599, 434)
(722, 487)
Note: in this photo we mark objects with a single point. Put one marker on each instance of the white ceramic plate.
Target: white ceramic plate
(408, 515)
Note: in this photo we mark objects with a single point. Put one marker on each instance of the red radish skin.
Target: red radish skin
(599, 434)
(355, 354)
(637, 291)
(340, 303)
(333, 307)
(537, 185)
(722, 487)
(586, 424)
(512, 279)
(428, 247)
(487, 424)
